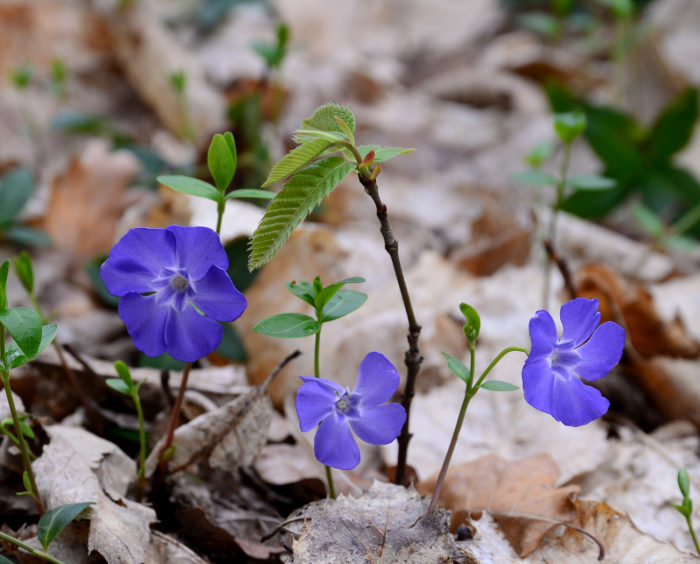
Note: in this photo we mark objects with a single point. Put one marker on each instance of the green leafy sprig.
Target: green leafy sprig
(685, 508)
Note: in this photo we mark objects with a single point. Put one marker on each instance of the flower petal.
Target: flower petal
(377, 380)
(190, 336)
(380, 425)
(601, 352)
(567, 399)
(315, 401)
(137, 259)
(145, 320)
(579, 317)
(217, 297)
(543, 334)
(198, 249)
(334, 444)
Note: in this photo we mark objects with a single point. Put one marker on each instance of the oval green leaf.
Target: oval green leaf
(24, 271)
(303, 290)
(191, 186)
(591, 182)
(251, 193)
(498, 386)
(119, 385)
(24, 324)
(458, 368)
(220, 162)
(15, 355)
(473, 326)
(342, 303)
(55, 520)
(288, 326)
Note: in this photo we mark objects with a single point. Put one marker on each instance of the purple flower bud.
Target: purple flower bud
(364, 410)
(174, 289)
(553, 371)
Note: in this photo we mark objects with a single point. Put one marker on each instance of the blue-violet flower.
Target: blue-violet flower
(174, 289)
(552, 371)
(364, 409)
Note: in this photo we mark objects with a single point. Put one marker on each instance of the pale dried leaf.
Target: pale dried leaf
(164, 548)
(519, 495)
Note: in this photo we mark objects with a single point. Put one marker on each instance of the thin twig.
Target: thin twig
(563, 268)
(412, 358)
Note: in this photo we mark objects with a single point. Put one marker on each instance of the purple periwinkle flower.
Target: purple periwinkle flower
(174, 289)
(363, 409)
(554, 368)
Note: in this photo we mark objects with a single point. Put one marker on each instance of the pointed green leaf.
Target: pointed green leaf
(24, 324)
(251, 193)
(648, 220)
(4, 271)
(342, 303)
(192, 186)
(299, 196)
(55, 520)
(231, 142)
(124, 373)
(119, 385)
(534, 177)
(24, 271)
(323, 119)
(220, 162)
(382, 153)
(569, 125)
(539, 153)
(297, 159)
(681, 243)
(674, 127)
(16, 187)
(16, 357)
(288, 326)
(498, 386)
(328, 292)
(26, 236)
(303, 290)
(591, 182)
(684, 482)
(458, 368)
(473, 326)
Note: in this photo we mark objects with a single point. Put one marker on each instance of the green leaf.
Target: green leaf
(569, 125)
(591, 182)
(534, 177)
(323, 119)
(648, 220)
(55, 520)
(231, 142)
(24, 324)
(545, 24)
(304, 290)
(79, 122)
(24, 271)
(299, 196)
(382, 153)
(231, 345)
(473, 326)
(27, 484)
(673, 128)
(119, 385)
(297, 159)
(328, 292)
(251, 193)
(4, 560)
(220, 162)
(593, 204)
(192, 186)
(684, 482)
(680, 243)
(25, 236)
(498, 386)
(237, 253)
(539, 154)
(4, 271)
(342, 303)
(288, 326)
(16, 357)
(16, 187)
(124, 373)
(458, 368)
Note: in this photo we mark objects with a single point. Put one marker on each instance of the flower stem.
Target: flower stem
(174, 418)
(141, 481)
(469, 393)
(220, 207)
(413, 358)
(689, 520)
(30, 549)
(317, 374)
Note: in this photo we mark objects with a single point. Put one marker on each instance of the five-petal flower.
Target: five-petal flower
(552, 371)
(174, 289)
(364, 409)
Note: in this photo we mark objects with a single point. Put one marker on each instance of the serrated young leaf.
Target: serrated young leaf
(349, 134)
(119, 385)
(55, 520)
(4, 271)
(296, 159)
(328, 292)
(591, 182)
(251, 193)
(15, 355)
(458, 368)
(323, 119)
(303, 290)
(124, 373)
(24, 324)
(288, 326)
(24, 271)
(534, 177)
(299, 196)
(498, 386)
(220, 162)
(473, 326)
(191, 186)
(342, 303)
(16, 187)
(382, 153)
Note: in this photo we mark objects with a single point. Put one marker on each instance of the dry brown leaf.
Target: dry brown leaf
(88, 200)
(519, 495)
(624, 543)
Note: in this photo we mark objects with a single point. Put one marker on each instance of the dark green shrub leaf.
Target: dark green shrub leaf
(673, 128)
(458, 368)
(473, 326)
(4, 271)
(4, 560)
(498, 386)
(24, 271)
(16, 187)
(24, 324)
(231, 345)
(220, 161)
(16, 357)
(597, 203)
(342, 303)
(288, 326)
(25, 236)
(304, 290)
(55, 520)
(192, 186)
(328, 292)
